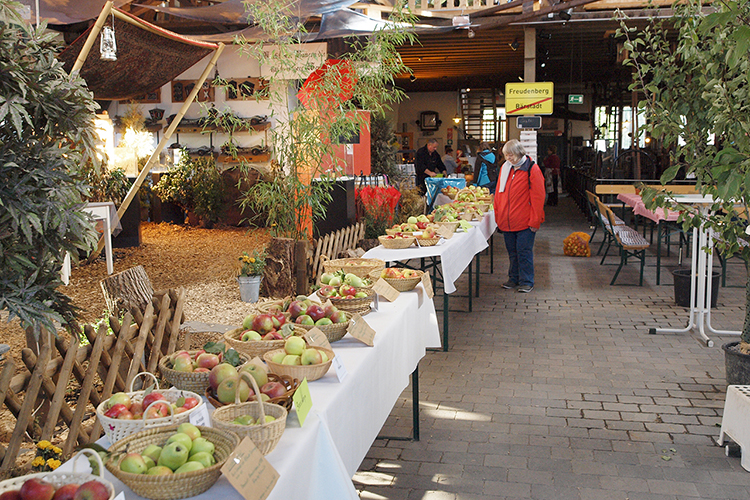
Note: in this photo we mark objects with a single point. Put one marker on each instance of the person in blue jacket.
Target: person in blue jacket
(485, 159)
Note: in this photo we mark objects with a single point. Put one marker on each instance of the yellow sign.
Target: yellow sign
(529, 98)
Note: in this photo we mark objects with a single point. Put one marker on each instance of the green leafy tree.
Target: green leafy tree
(694, 79)
(382, 152)
(305, 136)
(46, 135)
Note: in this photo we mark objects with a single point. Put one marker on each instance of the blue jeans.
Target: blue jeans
(520, 246)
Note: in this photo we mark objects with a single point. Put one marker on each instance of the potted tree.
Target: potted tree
(696, 99)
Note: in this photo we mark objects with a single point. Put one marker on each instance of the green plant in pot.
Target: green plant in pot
(696, 99)
(250, 274)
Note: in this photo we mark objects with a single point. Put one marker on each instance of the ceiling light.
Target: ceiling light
(543, 64)
(412, 78)
(456, 119)
(565, 14)
(514, 44)
(471, 33)
(107, 43)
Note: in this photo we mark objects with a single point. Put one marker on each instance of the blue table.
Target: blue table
(435, 184)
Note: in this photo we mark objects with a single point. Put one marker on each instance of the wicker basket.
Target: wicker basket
(485, 199)
(290, 383)
(254, 348)
(393, 232)
(395, 244)
(360, 267)
(427, 242)
(450, 225)
(351, 306)
(187, 381)
(59, 479)
(333, 332)
(473, 196)
(312, 372)
(404, 284)
(172, 486)
(266, 435)
(116, 429)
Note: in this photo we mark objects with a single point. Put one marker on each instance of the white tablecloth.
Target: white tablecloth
(455, 254)
(318, 460)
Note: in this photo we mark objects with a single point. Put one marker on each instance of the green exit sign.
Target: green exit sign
(575, 98)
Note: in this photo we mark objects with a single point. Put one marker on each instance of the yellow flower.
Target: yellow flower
(56, 450)
(43, 445)
(37, 462)
(53, 463)
(252, 260)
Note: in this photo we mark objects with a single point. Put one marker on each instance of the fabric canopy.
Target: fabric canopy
(147, 58)
(68, 11)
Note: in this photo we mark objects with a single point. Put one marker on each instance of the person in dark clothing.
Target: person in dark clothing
(552, 165)
(427, 163)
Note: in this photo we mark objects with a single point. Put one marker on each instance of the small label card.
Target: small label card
(381, 287)
(375, 302)
(302, 401)
(315, 337)
(200, 416)
(249, 472)
(338, 365)
(78, 463)
(427, 284)
(444, 232)
(360, 330)
(258, 361)
(120, 496)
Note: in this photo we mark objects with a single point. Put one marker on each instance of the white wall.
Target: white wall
(444, 103)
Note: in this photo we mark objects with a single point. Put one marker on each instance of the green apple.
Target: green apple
(323, 321)
(189, 467)
(133, 463)
(244, 420)
(335, 281)
(291, 359)
(270, 418)
(149, 462)
(173, 455)
(412, 220)
(326, 278)
(295, 345)
(191, 430)
(159, 470)
(278, 357)
(202, 444)
(152, 451)
(250, 335)
(203, 458)
(247, 323)
(229, 386)
(181, 437)
(257, 372)
(311, 356)
(323, 356)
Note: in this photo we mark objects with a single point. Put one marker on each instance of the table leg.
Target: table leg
(476, 284)
(414, 410)
(492, 253)
(470, 273)
(658, 252)
(445, 320)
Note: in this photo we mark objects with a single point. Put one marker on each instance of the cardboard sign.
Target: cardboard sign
(360, 330)
(444, 231)
(338, 365)
(315, 337)
(302, 401)
(381, 287)
(200, 416)
(427, 284)
(248, 471)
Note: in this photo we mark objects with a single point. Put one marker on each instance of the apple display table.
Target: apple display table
(317, 461)
(700, 284)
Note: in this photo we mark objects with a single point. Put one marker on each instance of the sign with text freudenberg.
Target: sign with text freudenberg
(534, 98)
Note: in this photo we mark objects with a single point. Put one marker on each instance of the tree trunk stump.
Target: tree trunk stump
(278, 276)
(126, 290)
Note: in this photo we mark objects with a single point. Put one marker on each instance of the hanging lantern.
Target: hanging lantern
(108, 46)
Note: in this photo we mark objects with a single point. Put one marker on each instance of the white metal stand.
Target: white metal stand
(102, 213)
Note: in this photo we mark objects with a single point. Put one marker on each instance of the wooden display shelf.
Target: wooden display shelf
(246, 158)
(198, 129)
(192, 130)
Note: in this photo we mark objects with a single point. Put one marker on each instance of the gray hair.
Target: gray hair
(515, 148)
(432, 141)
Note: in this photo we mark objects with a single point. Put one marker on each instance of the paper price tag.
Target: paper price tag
(120, 496)
(315, 337)
(248, 471)
(200, 416)
(381, 287)
(302, 401)
(444, 232)
(360, 330)
(79, 464)
(258, 361)
(338, 365)
(427, 284)
(375, 302)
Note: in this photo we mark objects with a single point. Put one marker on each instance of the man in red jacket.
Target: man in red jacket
(519, 211)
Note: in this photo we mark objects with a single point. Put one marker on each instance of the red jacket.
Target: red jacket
(521, 204)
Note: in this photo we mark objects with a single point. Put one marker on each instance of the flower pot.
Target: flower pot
(682, 287)
(737, 364)
(249, 288)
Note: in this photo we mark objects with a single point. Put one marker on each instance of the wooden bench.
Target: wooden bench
(600, 220)
(629, 242)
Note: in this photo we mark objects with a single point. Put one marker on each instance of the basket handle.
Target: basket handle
(156, 382)
(92, 453)
(147, 423)
(258, 399)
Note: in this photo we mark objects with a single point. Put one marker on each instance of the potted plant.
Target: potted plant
(695, 99)
(250, 275)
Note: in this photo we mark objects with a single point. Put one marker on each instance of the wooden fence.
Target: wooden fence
(335, 245)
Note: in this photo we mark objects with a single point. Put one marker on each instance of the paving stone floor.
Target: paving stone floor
(562, 393)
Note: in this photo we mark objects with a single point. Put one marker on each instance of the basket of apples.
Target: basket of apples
(188, 370)
(340, 277)
(262, 422)
(60, 485)
(299, 360)
(261, 333)
(403, 280)
(397, 241)
(172, 462)
(361, 267)
(347, 298)
(226, 380)
(126, 413)
(428, 238)
(328, 318)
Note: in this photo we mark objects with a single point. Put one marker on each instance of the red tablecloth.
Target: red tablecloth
(639, 208)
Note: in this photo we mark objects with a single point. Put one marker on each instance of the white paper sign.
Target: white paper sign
(338, 365)
(200, 416)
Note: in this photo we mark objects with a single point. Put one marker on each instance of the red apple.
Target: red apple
(137, 410)
(207, 360)
(115, 411)
(201, 370)
(198, 353)
(316, 312)
(273, 389)
(120, 398)
(151, 397)
(329, 309)
(35, 489)
(219, 373)
(11, 495)
(92, 490)
(125, 415)
(190, 403)
(297, 309)
(65, 492)
(158, 410)
(347, 290)
(268, 336)
(280, 317)
(263, 323)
